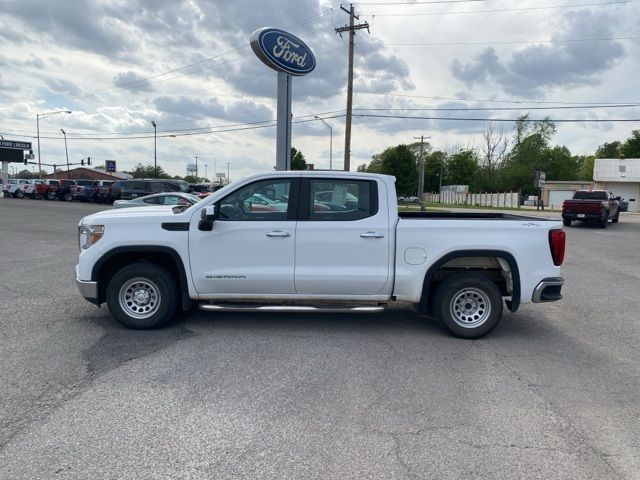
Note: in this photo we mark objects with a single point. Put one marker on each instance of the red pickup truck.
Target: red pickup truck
(591, 206)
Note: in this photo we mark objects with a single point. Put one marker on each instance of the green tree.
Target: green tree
(401, 163)
(191, 179)
(560, 164)
(435, 164)
(462, 168)
(298, 161)
(147, 171)
(586, 167)
(631, 147)
(529, 153)
(609, 150)
(374, 166)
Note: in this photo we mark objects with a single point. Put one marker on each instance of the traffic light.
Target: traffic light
(88, 160)
(26, 162)
(82, 162)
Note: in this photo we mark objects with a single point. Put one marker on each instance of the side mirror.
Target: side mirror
(207, 216)
(208, 213)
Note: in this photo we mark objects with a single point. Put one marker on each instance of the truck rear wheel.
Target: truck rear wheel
(566, 222)
(142, 296)
(603, 221)
(468, 305)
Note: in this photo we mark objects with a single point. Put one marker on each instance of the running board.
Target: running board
(209, 307)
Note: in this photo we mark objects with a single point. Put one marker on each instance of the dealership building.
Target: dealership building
(88, 173)
(620, 176)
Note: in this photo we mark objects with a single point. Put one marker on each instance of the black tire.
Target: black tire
(484, 302)
(616, 218)
(68, 197)
(50, 195)
(160, 284)
(566, 223)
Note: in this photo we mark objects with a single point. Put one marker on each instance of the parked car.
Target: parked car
(173, 198)
(63, 190)
(409, 199)
(142, 187)
(98, 192)
(622, 204)
(47, 189)
(200, 187)
(43, 189)
(82, 190)
(598, 206)
(14, 188)
(458, 267)
(113, 192)
(29, 189)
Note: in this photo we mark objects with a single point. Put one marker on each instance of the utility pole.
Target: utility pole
(421, 169)
(196, 169)
(351, 28)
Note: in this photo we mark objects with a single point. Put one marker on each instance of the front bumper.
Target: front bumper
(548, 290)
(88, 289)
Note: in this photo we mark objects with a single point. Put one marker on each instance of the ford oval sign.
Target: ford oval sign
(282, 51)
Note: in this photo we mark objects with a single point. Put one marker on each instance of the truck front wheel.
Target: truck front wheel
(468, 305)
(142, 296)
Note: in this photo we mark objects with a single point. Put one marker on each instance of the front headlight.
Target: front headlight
(89, 234)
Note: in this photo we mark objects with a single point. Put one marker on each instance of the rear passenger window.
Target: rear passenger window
(157, 187)
(342, 200)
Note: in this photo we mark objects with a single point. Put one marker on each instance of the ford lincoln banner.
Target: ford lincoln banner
(282, 51)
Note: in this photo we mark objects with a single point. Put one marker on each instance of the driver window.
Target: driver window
(265, 200)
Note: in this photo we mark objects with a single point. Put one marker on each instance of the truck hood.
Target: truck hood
(130, 215)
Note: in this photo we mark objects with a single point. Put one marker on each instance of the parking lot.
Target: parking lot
(551, 393)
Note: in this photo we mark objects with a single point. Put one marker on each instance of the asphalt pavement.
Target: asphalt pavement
(551, 393)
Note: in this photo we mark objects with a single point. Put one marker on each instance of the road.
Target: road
(551, 393)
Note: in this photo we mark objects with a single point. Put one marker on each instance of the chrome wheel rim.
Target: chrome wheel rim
(139, 298)
(470, 307)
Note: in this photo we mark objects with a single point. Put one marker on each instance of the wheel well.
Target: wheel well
(114, 260)
(499, 267)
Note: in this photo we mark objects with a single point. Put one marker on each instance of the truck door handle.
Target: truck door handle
(372, 235)
(278, 233)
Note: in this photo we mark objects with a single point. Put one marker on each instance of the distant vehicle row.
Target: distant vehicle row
(99, 191)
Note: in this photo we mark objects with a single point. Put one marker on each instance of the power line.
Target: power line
(491, 109)
(463, 119)
(498, 42)
(434, 2)
(496, 10)
(491, 100)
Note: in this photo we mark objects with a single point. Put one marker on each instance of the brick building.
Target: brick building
(88, 173)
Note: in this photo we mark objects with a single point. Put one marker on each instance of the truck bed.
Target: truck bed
(469, 216)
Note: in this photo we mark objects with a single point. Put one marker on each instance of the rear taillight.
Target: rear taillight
(557, 241)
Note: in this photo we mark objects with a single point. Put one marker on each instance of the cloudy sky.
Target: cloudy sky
(118, 64)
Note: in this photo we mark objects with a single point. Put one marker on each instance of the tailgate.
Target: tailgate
(582, 206)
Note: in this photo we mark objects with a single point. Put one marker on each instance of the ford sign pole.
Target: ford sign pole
(283, 121)
(289, 56)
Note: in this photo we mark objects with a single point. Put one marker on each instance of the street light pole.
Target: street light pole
(330, 141)
(38, 117)
(227, 173)
(66, 151)
(196, 169)
(155, 149)
(205, 172)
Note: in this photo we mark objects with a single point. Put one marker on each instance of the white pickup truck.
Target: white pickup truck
(325, 241)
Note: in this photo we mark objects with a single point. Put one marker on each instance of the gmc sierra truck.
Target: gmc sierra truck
(308, 250)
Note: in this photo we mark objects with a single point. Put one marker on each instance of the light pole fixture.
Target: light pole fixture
(330, 141)
(38, 117)
(66, 151)
(155, 149)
